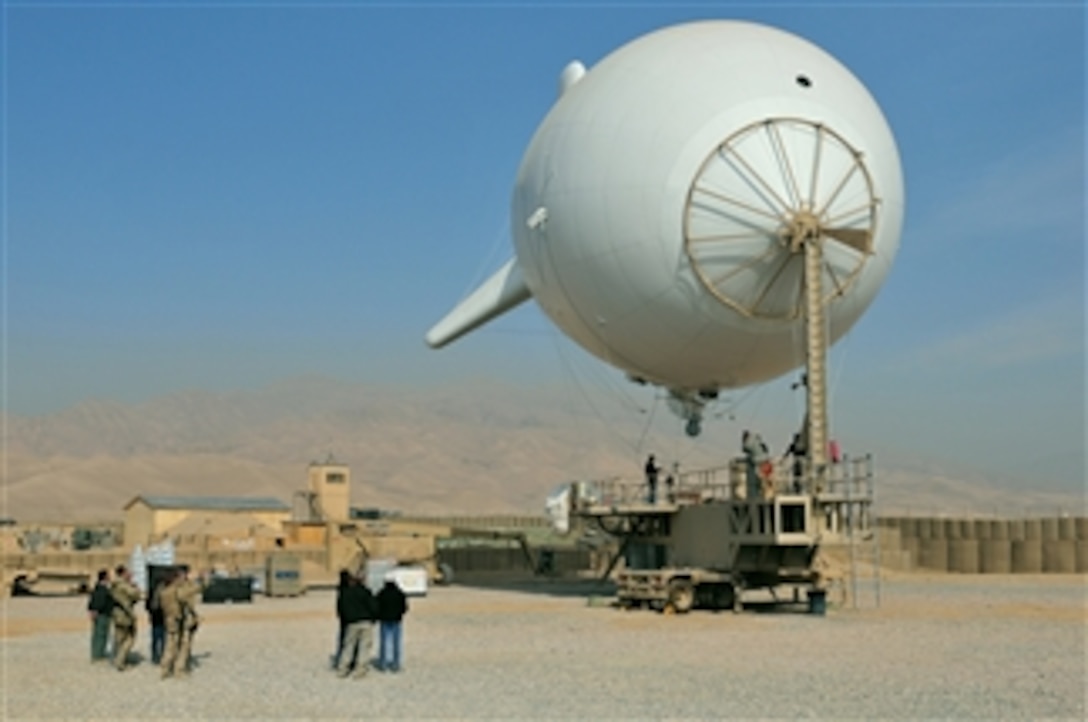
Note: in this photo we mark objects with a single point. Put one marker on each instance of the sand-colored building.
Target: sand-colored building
(148, 518)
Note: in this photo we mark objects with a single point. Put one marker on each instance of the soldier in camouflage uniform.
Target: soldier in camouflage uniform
(172, 618)
(125, 594)
(188, 593)
(179, 611)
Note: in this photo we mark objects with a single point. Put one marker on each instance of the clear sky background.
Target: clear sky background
(221, 195)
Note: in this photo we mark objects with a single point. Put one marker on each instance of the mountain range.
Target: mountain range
(472, 447)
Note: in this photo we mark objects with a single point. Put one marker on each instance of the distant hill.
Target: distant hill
(476, 447)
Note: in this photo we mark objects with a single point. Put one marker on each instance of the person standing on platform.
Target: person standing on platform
(756, 456)
(799, 451)
(652, 470)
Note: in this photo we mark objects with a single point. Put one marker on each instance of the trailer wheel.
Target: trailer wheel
(723, 596)
(681, 595)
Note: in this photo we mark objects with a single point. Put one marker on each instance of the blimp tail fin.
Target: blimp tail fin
(498, 294)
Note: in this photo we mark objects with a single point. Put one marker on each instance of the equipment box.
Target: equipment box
(228, 589)
(283, 576)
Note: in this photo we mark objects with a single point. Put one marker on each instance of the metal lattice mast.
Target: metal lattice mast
(815, 358)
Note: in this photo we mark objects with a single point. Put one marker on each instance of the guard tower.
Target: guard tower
(328, 496)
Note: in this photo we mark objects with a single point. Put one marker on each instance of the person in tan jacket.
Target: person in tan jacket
(188, 594)
(172, 616)
(179, 610)
(125, 594)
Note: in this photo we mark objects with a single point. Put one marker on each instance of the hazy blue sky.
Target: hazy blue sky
(217, 196)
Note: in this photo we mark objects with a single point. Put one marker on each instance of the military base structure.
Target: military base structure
(319, 533)
(265, 538)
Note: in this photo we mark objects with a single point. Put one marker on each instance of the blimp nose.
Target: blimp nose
(763, 193)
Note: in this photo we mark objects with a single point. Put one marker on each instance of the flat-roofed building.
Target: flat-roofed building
(148, 517)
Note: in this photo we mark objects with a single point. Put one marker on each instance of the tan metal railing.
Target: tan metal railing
(850, 478)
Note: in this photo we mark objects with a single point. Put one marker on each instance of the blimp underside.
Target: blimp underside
(663, 208)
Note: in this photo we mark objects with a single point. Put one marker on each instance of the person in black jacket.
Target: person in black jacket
(392, 606)
(345, 576)
(357, 612)
(100, 610)
(157, 620)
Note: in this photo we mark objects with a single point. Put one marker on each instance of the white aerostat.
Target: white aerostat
(660, 209)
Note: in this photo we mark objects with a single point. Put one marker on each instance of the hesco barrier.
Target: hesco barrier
(912, 528)
(1082, 556)
(913, 545)
(933, 554)
(992, 546)
(963, 556)
(1060, 557)
(1027, 556)
(995, 556)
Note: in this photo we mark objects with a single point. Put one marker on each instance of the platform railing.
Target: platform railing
(847, 478)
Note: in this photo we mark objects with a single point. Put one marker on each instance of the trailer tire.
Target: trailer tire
(724, 597)
(681, 596)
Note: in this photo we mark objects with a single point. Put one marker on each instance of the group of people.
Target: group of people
(760, 466)
(357, 610)
(171, 607)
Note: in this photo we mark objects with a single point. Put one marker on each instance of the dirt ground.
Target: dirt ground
(941, 646)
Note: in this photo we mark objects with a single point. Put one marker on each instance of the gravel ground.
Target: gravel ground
(940, 647)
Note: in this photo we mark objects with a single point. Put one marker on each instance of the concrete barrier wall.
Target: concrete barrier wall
(1057, 545)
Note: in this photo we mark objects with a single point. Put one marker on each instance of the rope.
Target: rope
(481, 274)
(576, 383)
(646, 427)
